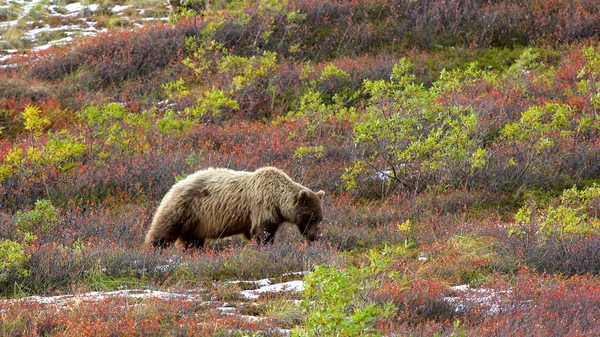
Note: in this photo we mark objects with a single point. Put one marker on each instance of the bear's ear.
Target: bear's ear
(321, 193)
(303, 196)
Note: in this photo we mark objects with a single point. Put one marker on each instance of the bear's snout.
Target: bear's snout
(312, 238)
(312, 233)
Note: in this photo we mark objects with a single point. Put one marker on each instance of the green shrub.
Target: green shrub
(14, 258)
(574, 213)
(113, 129)
(589, 76)
(32, 162)
(537, 132)
(212, 104)
(335, 300)
(176, 89)
(408, 133)
(172, 124)
(40, 219)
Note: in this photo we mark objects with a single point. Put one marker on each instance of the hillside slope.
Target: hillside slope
(457, 142)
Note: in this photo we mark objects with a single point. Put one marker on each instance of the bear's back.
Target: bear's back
(214, 176)
(216, 184)
(220, 200)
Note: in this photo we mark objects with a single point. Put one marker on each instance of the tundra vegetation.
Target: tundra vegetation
(458, 143)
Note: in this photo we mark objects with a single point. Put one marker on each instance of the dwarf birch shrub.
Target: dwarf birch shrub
(562, 236)
(589, 76)
(56, 150)
(574, 213)
(242, 76)
(244, 71)
(39, 219)
(324, 100)
(113, 129)
(13, 259)
(335, 300)
(535, 135)
(212, 104)
(411, 137)
(173, 125)
(176, 89)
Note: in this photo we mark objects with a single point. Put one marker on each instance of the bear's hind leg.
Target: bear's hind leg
(163, 231)
(270, 238)
(192, 243)
(198, 243)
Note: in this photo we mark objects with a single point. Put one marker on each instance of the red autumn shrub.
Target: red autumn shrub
(549, 306)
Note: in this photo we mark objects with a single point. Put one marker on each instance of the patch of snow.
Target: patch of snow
(69, 30)
(118, 8)
(300, 273)
(74, 7)
(4, 58)
(84, 28)
(297, 285)
(165, 268)
(102, 295)
(259, 283)
(154, 19)
(265, 281)
(462, 287)
(502, 225)
(489, 299)
(42, 47)
(226, 309)
(62, 41)
(383, 175)
(283, 332)
(27, 7)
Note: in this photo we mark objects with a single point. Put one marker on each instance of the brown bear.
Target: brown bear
(215, 203)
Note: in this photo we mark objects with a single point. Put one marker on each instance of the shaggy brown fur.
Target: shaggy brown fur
(216, 203)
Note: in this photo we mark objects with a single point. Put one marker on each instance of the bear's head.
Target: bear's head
(309, 213)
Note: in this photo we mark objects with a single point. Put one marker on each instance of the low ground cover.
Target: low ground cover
(460, 168)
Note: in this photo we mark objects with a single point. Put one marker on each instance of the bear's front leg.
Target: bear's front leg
(192, 243)
(265, 233)
(270, 238)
